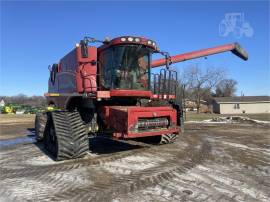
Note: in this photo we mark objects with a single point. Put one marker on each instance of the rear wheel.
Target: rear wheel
(168, 138)
(40, 124)
(159, 139)
(65, 136)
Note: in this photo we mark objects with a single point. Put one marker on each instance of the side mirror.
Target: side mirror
(167, 63)
(167, 56)
(84, 49)
(50, 68)
(168, 60)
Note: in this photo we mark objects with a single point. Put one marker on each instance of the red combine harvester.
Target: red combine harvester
(110, 90)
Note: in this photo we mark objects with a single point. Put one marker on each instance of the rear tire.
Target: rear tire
(159, 139)
(65, 136)
(168, 138)
(40, 124)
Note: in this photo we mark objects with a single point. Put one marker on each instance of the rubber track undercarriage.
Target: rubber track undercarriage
(65, 135)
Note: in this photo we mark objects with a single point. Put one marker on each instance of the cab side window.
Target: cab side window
(106, 68)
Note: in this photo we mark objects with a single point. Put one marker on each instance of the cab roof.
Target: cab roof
(129, 40)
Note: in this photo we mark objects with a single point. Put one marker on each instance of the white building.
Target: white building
(2, 103)
(243, 104)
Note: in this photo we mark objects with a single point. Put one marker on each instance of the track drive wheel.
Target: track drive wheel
(65, 136)
(168, 138)
(40, 124)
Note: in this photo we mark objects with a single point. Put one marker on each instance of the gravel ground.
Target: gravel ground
(210, 162)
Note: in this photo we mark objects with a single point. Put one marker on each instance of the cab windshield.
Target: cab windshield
(125, 67)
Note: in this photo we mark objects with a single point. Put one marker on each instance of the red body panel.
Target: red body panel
(122, 119)
(84, 70)
(87, 70)
(131, 93)
(172, 130)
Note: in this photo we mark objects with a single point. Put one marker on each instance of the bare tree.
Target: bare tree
(201, 82)
(226, 88)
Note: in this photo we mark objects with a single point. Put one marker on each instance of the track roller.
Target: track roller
(65, 135)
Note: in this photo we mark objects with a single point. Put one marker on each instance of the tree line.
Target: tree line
(21, 99)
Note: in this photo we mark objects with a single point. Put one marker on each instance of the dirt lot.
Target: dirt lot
(210, 162)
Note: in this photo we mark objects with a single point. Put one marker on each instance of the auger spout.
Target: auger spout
(235, 48)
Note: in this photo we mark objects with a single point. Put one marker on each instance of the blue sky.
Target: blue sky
(34, 35)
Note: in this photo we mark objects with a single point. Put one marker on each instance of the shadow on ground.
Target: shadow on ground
(97, 145)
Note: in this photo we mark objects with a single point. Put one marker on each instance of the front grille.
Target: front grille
(152, 123)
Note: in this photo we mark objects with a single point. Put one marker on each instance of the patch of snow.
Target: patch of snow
(79, 176)
(40, 160)
(230, 119)
(26, 189)
(203, 168)
(221, 176)
(132, 163)
(4, 199)
(242, 146)
(240, 186)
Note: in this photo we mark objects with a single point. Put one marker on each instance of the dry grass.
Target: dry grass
(16, 118)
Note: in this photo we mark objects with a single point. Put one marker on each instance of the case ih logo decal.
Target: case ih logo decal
(235, 24)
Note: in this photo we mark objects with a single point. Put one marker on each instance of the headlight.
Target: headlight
(130, 39)
(123, 39)
(149, 42)
(137, 39)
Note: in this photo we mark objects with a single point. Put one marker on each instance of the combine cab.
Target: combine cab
(111, 90)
